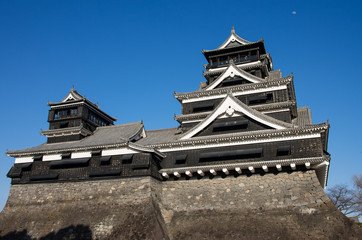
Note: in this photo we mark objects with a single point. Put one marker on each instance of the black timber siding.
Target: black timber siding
(284, 116)
(188, 126)
(141, 164)
(65, 138)
(298, 149)
(276, 96)
(82, 117)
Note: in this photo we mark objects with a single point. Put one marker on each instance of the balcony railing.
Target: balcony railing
(236, 60)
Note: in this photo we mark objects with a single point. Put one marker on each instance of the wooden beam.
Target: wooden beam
(200, 172)
(177, 174)
(293, 166)
(213, 172)
(225, 171)
(265, 168)
(165, 175)
(307, 165)
(279, 167)
(251, 169)
(238, 170)
(188, 173)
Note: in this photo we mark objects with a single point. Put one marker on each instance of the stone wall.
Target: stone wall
(104, 209)
(270, 206)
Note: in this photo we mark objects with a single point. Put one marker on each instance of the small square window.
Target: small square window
(283, 150)
(180, 159)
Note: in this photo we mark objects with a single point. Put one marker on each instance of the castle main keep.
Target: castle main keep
(244, 163)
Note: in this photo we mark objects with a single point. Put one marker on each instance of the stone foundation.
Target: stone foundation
(272, 206)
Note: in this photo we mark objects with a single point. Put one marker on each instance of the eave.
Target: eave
(262, 107)
(66, 131)
(244, 136)
(217, 71)
(319, 164)
(234, 89)
(86, 102)
(260, 44)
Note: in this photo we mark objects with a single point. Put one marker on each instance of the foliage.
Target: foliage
(348, 200)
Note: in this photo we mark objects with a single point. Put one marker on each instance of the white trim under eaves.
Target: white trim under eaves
(261, 90)
(81, 154)
(24, 159)
(52, 157)
(242, 142)
(239, 65)
(118, 151)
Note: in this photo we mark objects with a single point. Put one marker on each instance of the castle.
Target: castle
(245, 162)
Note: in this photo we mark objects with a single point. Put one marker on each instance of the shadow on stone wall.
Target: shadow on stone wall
(71, 232)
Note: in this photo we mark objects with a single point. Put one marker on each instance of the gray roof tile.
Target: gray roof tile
(103, 136)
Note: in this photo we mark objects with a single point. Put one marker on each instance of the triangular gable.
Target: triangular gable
(231, 106)
(72, 95)
(231, 71)
(232, 39)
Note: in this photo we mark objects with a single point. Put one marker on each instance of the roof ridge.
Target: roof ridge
(235, 88)
(118, 125)
(153, 130)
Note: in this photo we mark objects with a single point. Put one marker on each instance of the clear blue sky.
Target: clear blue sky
(130, 56)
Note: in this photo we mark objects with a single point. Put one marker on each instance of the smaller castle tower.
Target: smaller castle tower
(74, 118)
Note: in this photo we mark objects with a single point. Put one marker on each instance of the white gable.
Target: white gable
(233, 38)
(69, 97)
(233, 71)
(229, 108)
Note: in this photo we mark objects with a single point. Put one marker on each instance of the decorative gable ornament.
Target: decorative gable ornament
(233, 38)
(232, 71)
(231, 106)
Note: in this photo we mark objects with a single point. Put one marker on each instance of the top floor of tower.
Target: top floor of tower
(240, 52)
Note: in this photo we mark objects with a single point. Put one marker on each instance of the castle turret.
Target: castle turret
(74, 118)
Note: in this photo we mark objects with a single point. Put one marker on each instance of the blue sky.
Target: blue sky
(130, 56)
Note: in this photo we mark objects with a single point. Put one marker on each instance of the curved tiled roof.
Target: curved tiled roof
(74, 99)
(233, 37)
(106, 136)
(172, 141)
(243, 87)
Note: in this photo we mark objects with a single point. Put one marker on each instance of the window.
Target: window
(180, 159)
(224, 60)
(231, 155)
(74, 112)
(260, 99)
(283, 150)
(96, 120)
(65, 113)
(105, 160)
(127, 159)
(203, 107)
(64, 125)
